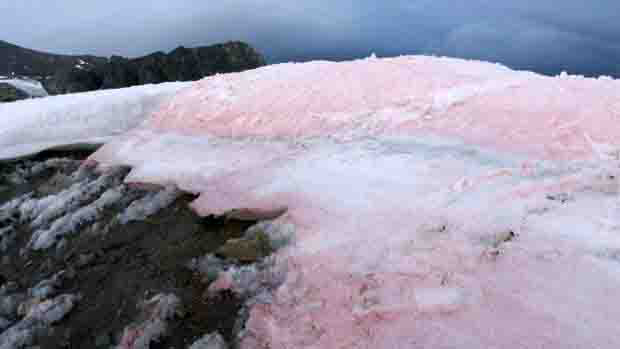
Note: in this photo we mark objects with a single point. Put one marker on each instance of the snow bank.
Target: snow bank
(30, 126)
(32, 87)
(480, 103)
(423, 193)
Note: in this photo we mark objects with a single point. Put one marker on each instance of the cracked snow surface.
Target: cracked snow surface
(434, 202)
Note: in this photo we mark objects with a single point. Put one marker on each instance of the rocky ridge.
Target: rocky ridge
(62, 74)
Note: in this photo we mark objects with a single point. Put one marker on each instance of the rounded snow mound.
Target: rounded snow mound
(431, 202)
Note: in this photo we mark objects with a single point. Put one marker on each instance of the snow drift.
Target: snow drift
(30, 126)
(436, 203)
(31, 87)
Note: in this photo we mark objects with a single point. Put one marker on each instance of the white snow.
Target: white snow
(81, 64)
(31, 87)
(149, 205)
(30, 126)
(210, 341)
(156, 313)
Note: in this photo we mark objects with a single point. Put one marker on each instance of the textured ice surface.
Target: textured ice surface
(40, 316)
(55, 216)
(423, 195)
(149, 205)
(29, 126)
(156, 313)
(478, 102)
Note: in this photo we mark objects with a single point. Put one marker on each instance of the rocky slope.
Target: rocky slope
(19, 61)
(88, 261)
(62, 74)
(181, 64)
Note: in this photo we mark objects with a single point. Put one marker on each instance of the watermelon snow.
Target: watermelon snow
(434, 202)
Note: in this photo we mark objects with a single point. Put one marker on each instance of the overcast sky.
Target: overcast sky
(579, 36)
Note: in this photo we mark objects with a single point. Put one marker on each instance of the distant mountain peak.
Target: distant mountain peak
(19, 61)
(67, 73)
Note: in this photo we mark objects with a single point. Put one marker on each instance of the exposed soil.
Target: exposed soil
(114, 267)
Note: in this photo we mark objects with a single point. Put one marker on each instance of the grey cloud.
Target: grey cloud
(545, 35)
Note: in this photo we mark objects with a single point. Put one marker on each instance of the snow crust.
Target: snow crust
(149, 205)
(436, 203)
(90, 118)
(480, 103)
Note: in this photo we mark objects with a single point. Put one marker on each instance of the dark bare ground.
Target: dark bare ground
(116, 268)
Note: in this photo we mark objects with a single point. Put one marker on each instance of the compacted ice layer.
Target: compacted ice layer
(436, 202)
(82, 119)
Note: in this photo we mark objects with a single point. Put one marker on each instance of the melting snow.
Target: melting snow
(423, 192)
(419, 190)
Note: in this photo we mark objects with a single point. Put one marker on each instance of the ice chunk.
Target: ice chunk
(51, 311)
(31, 87)
(157, 311)
(210, 341)
(149, 205)
(40, 316)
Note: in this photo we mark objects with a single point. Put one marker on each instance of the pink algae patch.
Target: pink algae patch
(400, 239)
(478, 102)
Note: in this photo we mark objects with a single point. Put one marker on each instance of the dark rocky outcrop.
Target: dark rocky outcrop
(19, 61)
(182, 64)
(61, 74)
(9, 93)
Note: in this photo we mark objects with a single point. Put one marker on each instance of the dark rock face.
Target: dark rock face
(182, 64)
(19, 61)
(71, 81)
(9, 93)
(62, 74)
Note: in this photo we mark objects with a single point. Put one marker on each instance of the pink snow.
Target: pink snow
(402, 178)
(479, 102)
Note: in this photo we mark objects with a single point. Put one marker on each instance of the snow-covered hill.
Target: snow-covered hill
(429, 202)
